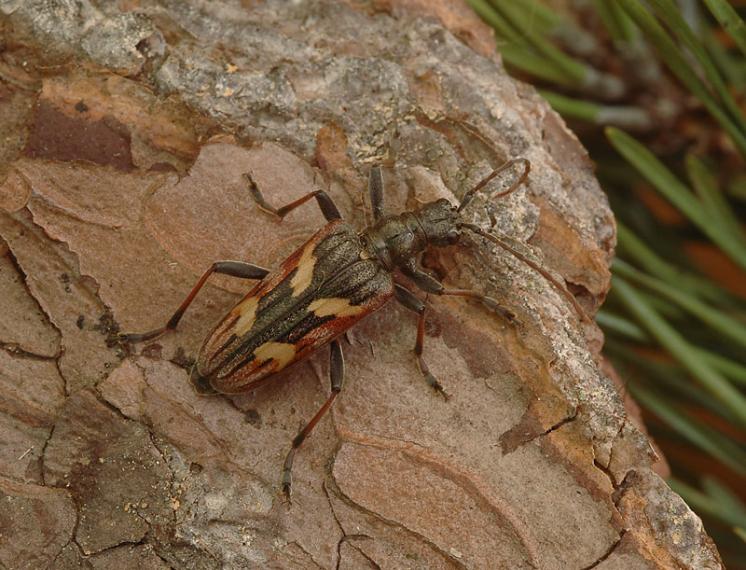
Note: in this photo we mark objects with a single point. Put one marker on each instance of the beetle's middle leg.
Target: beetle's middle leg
(326, 204)
(428, 283)
(411, 302)
(232, 268)
(336, 375)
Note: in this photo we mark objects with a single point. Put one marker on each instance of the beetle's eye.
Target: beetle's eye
(453, 235)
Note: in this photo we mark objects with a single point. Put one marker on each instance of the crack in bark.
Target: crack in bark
(146, 538)
(559, 424)
(621, 489)
(70, 542)
(172, 480)
(147, 533)
(73, 532)
(141, 542)
(345, 537)
(15, 350)
(24, 280)
(453, 474)
(308, 554)
(372, 562)
(56, 359)
(47, 203)
(111, 407)
(336, 518)
(608, 552)
(39, 233)
(605, 469)
(75, 267)
(162, 559)
(215, 440)
(65, 388)
(43, 453)
(508, 442)
(394, 524)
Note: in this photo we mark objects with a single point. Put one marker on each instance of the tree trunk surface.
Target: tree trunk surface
(127, 128)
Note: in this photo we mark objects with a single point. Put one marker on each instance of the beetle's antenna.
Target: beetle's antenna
(532, 264)
(509, 164)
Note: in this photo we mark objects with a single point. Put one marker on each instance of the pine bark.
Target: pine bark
(128, 128)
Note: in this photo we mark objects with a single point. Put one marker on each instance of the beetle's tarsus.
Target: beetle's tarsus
(287, 496)
(133, 338)
(261, 202)
(324, 201)
(287, 478)
(431, 380)
(493, 305)
(413, 303)
(272, 213)
(437, 386)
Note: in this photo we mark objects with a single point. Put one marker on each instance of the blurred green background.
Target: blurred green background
(656, 90)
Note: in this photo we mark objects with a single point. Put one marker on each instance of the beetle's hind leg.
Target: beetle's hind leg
(336, 375)
(326, 204)
(411, 302)
(232, 268)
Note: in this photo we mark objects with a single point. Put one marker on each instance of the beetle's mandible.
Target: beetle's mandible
(332, 281)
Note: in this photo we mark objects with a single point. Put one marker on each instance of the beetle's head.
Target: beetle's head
(439, 221)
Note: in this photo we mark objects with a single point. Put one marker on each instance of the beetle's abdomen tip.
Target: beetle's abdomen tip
(201, 384)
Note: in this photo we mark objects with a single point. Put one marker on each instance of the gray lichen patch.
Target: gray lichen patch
(115, 42)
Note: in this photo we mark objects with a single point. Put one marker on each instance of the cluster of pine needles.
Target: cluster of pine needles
(657, 90)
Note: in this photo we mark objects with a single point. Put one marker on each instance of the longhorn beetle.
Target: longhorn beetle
(332, 281)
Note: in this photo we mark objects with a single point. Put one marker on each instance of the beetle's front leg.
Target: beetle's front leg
(408, 300)
(375, 190)
(428, 283)
(326, 204)
(336, 375)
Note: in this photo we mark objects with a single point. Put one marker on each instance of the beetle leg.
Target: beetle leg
(336, 375)
(326, 204)
(428, 283)
(375, 189)
(232, 268)
(502, 241)
(411, 302)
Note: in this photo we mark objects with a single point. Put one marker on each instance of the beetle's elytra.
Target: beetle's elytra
(332, 281)
(320, 291)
